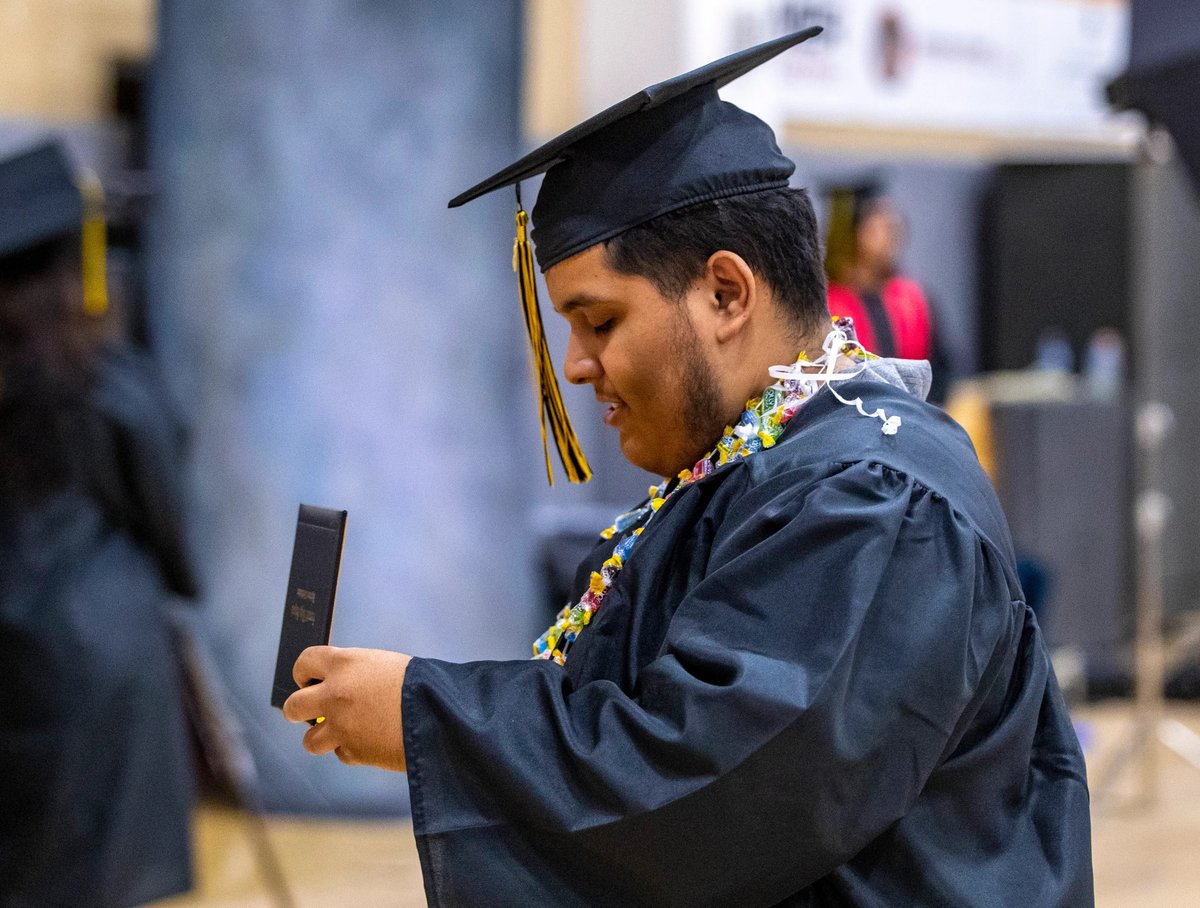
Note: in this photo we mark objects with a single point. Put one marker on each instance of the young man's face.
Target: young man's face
(644, 359)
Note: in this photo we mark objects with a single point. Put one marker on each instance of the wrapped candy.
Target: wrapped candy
(759, 427)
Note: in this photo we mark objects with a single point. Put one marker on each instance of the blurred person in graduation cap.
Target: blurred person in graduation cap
(94, 756)
(864, 238)
(801, 671)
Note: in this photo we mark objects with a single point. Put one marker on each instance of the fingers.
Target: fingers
(305, 704)
(320, 739)
(359, 693)
(312, 665)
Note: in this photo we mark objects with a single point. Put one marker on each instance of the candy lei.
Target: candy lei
(758, 428)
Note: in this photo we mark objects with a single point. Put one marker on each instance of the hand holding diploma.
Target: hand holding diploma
(357, 691)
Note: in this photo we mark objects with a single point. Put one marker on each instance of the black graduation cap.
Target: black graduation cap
(669, 146)
(848, 203)
(856, 195)
(42, 197)
(1164, 72)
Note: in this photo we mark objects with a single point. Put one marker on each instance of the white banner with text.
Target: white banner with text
(1024, 68)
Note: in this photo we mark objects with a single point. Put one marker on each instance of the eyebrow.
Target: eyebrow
(579, 302)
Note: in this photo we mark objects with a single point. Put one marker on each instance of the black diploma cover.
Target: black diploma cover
(312, 585)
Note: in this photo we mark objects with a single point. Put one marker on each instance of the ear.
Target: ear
(734, 293)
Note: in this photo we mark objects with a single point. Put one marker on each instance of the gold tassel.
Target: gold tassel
(550, 397)
(840, 240)
(95, 246)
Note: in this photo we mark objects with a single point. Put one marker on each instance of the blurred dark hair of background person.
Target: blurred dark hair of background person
(94, 755)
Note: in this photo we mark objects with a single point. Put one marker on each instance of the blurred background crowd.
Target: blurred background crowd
(1006, 188)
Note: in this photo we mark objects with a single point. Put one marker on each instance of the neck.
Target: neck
(869, 278)
(750, 376)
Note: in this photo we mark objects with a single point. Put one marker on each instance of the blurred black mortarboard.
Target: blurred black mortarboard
(669, 146)
(856, 195)
(42, 198)
(1164, 72)
(849, 202)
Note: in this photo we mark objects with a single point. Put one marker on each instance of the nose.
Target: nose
(580, 366)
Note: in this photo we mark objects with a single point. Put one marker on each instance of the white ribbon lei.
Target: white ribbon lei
(810, 382)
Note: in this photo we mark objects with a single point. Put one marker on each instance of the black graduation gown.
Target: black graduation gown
(94, 756)
(815, 682)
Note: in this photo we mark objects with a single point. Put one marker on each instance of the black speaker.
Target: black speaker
(1079, 247)
(1055, 256)
(1065, 480)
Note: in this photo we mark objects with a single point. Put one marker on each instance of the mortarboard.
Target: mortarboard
(848, 203)
(43, 198)
(669, 146)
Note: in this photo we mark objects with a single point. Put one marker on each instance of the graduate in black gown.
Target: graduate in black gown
(802, 672)
(94, 756)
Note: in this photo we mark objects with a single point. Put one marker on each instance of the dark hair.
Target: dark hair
(775, 231)
(45, 368)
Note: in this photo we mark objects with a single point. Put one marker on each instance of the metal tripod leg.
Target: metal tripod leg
(224, 743)
(1181, 739)
(1150, 726)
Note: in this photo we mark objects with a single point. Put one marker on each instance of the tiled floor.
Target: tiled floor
(1142, 857)
(1145, 857)
(360, 864)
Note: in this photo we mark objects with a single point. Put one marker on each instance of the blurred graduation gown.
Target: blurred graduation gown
(95, 760)
(815, 682)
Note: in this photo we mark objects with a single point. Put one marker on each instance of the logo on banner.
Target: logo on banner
(894, 45)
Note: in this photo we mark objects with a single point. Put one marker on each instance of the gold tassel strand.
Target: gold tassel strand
(840, 240)
(95, 246)
(550, 402)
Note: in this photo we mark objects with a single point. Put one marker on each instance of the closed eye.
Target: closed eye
(604, 327)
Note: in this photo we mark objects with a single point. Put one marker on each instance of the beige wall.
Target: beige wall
(55, 54)
(570, 52)
(552, 91)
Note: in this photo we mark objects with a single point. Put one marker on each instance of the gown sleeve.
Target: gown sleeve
(808, 686)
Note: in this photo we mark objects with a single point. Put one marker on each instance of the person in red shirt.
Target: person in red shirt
(866, 233)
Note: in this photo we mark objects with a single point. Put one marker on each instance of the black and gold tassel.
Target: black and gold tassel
(840, 239)
(95, 246)
(550, 397)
